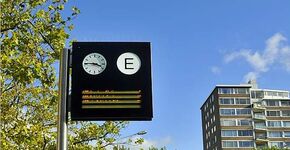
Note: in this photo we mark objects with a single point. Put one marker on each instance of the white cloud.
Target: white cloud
(158, 143)
(251, 76)
(276, 52)
(254, 59)
(286, 59)
(215, 70)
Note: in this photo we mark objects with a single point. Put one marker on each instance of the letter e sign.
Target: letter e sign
(128, 63)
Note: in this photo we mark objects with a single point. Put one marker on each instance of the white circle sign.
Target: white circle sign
(128, 63)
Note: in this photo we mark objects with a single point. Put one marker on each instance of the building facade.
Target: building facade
(244, 117)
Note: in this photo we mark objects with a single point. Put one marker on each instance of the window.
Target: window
(272, 103)
(286, 123)
(287, 134)
(270, 93)
(275, 134)
(273, 113)
(229, 133)
(241, 90)
(260, 125)
(233, 90)
(285, 103)
(228, 122)
(242, 101)
(257, 94)
(274, 124)
(283, 94)
(227, 101)
(225, 91)
(245, 132)
(285, 112)
(244, 122)
(276, 144)
(227, 112)
(244, 111)
(287, 144)
(229, 144)
(246, 144)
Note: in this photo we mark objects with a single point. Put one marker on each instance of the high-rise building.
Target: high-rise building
(244, 117)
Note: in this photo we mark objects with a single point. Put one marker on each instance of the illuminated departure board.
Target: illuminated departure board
(111, 99)
(111, 81)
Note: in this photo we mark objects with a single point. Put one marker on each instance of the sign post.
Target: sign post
(62, 103)
(111, 81)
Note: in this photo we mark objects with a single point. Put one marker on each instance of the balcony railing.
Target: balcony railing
(261, 139)
(257, 107)
(260, 128)
(259, 116)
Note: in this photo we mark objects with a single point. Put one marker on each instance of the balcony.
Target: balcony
(260, 128)
(257, 107)
(261, 139)
(259, 117)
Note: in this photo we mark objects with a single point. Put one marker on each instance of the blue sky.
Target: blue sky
(195, 45)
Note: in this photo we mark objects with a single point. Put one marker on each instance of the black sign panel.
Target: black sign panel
(111, 81)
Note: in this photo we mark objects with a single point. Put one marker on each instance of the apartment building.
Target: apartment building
(244, 117)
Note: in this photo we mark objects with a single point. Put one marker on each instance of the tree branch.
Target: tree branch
(95, 138)
(44, 142)
(10, 28)
(43, 37)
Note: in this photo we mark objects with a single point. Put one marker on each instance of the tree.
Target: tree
(273, 148)
(32, 34)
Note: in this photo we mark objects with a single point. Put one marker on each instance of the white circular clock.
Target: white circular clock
(94, 63)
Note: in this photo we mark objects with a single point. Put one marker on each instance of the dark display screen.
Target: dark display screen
(111, 81)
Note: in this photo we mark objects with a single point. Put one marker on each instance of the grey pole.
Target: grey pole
(62, 103)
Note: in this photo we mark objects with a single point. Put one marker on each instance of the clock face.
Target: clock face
(94, 63)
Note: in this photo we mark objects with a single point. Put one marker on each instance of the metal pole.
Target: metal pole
(62, 103)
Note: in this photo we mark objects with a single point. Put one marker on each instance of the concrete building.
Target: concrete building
(244, 117)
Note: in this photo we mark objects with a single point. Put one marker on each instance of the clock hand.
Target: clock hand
(93, 64)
